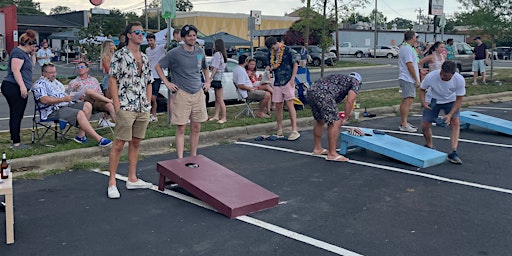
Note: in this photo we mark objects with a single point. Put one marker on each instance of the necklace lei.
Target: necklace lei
(277, 62)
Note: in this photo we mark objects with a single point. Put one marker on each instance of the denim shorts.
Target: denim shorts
(430, 116)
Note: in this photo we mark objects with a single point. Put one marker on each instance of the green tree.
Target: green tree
(6, 3)
(355, 17)
(59, 10)
(28, 7)
(490, 18)
(401, 23)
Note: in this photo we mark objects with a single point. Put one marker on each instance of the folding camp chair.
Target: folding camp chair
(302, 83)
(246, 110)
(59, 127)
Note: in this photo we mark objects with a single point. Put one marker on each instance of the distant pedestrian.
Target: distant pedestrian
(176, 39)
(219, 60)
(44, 55)
(303, 56)
(323, 97)
(449, 49)
(409, 78)
(18, 82)
(480, 56)
(185, 64)
(435, 57)
(284, 67)
(444, 90)
(154, 52)
(130, 85)
(107, 50)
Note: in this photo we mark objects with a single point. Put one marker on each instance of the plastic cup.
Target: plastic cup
(356, 115)
(341, 114)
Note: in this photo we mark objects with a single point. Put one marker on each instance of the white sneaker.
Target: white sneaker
(415, 127)
(113, 193)
(153, 119)
(407, 128)
(474, 83)
(294, 135)
(139, 184)
(105, 123)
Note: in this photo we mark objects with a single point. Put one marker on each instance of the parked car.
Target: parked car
(227, 85)
(261, 56)
(463, 56)
(501, 53)
(316, 55)
(384, 51)
(348, 49)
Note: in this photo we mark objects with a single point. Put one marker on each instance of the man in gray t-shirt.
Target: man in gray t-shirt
(185, 63)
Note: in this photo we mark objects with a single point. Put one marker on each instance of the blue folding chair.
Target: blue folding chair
(302, 83)
(59, 127)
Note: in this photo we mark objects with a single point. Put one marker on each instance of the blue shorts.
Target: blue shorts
(155, 86)
(429, 116)
(478, 65)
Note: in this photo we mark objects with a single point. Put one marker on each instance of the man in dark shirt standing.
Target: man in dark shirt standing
(480, 55)
(285, 68)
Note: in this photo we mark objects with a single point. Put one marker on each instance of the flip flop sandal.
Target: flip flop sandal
(356, 132)
(322, 153)
(339, 158)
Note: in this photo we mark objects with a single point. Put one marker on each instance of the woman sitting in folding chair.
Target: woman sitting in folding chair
(260, 82)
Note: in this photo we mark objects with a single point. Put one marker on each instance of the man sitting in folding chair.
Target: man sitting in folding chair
(51, 97)
(88, 88)
(246, 89)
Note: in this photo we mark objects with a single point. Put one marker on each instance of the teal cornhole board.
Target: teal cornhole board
(393, 147)
(468, 118)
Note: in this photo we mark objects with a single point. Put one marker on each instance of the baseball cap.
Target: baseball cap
(416, 34)
(476, 38)
(356, 76)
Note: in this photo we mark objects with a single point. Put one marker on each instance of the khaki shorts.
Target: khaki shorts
(257, 95)
(131, 124)
(187, 106)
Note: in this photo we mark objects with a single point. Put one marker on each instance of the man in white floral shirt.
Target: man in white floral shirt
(57, 104)
(130, 86)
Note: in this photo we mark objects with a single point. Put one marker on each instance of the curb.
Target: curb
(65, 159)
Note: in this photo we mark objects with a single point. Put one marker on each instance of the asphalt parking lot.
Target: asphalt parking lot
(372, 205)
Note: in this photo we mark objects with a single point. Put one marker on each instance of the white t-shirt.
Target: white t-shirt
(44, 53)
(240, 77)
(443, 91)
(407, 54)
(154, 56)
(218, 62)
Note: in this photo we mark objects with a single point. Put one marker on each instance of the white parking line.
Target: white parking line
(7, 118)
(491, 108)
(389, 168)
(265, 225)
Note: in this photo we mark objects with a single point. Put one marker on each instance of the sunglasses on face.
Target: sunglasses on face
(81, 67)
(138, 32)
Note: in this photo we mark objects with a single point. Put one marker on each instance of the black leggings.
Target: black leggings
(17, 106)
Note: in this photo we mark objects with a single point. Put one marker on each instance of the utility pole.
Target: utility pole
(420, 16)
(146, 12)
(375, 36)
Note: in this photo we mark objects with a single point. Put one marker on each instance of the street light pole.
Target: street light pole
(146, 12)
(375, 37)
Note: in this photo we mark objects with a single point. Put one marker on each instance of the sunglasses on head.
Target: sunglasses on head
(81, 67)
(189, 27)
(32, 43)
(138, 32)
(48, 64)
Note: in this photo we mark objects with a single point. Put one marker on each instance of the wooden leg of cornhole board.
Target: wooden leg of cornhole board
(224, 190)
(396, 148)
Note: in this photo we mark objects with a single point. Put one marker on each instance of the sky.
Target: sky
(406, 9)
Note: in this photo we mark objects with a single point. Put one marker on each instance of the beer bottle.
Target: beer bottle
(4, 167)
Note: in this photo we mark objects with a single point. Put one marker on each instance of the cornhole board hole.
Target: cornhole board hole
(224, 190)
(390, 146)
(468, 118)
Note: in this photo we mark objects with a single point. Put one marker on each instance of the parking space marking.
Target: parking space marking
(250, 220)
(389, 168)
(493, 108)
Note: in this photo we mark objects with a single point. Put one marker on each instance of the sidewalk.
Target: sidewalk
(65, 159)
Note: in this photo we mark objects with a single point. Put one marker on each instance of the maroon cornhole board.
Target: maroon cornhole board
(226, 191)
